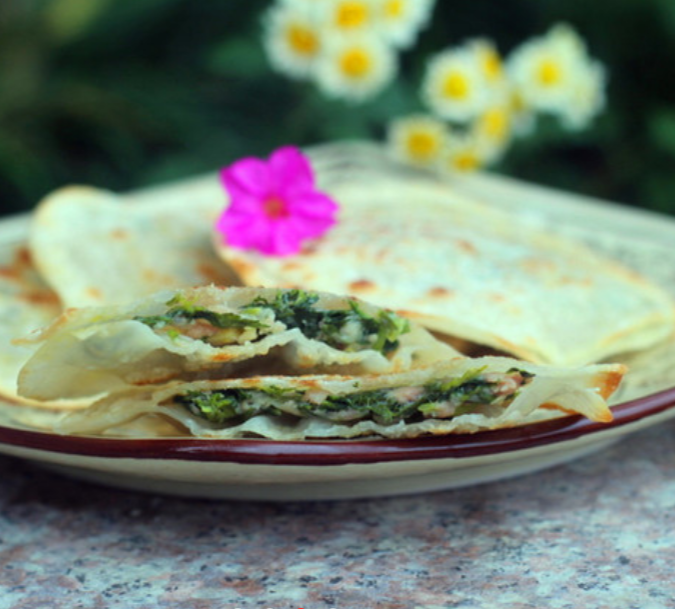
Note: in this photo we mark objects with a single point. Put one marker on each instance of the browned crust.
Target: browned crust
(609, 381)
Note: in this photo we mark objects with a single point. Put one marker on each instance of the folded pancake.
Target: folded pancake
(219, 332)
(462, 268)
(94, 248)
(26, 304)
(459, 395)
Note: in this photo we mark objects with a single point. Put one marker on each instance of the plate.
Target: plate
(316, 470)
(313, 470)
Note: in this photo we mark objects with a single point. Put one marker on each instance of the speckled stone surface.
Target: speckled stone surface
(596, 533)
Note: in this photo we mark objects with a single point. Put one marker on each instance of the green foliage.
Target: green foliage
(126, 93)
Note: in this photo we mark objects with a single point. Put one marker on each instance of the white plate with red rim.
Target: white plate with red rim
(313, 470)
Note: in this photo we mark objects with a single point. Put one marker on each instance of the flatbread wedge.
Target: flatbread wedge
(97, 248)
(26, 304)
(460, 395)
(219, 332)
(463, 268)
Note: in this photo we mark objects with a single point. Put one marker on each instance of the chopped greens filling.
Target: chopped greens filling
(182, 311)
(438, 399)
(349, 329)
(220, 407)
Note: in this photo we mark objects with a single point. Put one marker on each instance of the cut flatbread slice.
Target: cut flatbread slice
(461, 395)
(219, 332)
(462, 268)
(96, 248)
(26, 304)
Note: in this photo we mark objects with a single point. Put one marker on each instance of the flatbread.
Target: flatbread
(460, 395)
(93, 247)
(219, 332)
(26, 304)
(463, 268)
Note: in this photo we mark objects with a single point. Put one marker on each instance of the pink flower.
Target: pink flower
(274, 206)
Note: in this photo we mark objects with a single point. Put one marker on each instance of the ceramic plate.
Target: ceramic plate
(271, 470)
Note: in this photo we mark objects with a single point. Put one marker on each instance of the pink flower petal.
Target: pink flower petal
(313, 204)
(245, 204)
(292, 171)
(311, 228)
(274, 207)
(288, 238)
(231, 222)
(254, 234)
(249, 175)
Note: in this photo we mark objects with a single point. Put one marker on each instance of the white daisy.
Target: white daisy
(355, 67)
(464, 152)
(547, 71)
(523, 116)
(417, 140)
(401, 20)
(292, 39)
(587, 96)
(565, 37)
(493, 130)
(347, 16)
(541, 75)
(489, 60)
(454, 85)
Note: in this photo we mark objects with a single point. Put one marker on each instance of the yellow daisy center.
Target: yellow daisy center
(456, 86)
(302, 40)
(351, 15)
(355, 63)
(466, 161)
(495, 123)
(517, 103)
(393, 9)
(492, 65)
(422, 145)
(549, 73)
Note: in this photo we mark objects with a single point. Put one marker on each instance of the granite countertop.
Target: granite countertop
(596, 533)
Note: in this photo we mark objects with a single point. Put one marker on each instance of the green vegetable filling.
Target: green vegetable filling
(439, 399)
(349, 329)
(182, 311)
(220, 407)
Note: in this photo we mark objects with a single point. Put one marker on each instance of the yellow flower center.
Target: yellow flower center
(355, 63)
(492, 65)
(351, 15)
(422, 146)
(466, 161)
(517, 103)
(275, 208)
(495, 123)
(456, 86)
(302, 40)
(393, 9)
(549, 73)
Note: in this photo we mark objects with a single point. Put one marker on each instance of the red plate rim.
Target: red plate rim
(340, 452)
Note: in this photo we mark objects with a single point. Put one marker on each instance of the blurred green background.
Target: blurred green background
(127, 93)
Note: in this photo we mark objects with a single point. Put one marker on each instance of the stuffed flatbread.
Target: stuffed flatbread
(219, 332)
